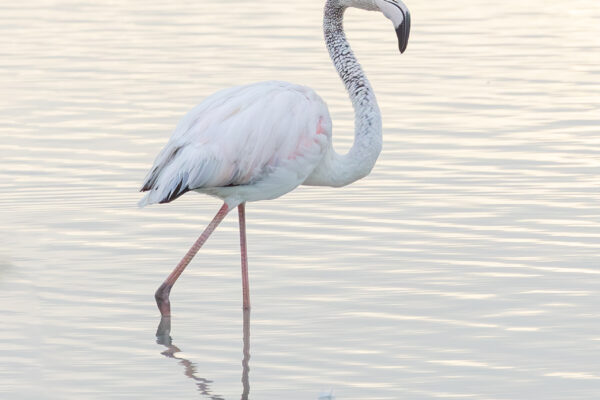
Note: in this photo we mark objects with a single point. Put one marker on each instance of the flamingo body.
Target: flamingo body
(245, 143)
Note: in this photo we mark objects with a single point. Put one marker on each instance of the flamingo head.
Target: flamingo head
(394, 10)
(397, 12)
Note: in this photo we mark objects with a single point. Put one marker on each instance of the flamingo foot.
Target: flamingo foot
(163, 332)
(162, 299)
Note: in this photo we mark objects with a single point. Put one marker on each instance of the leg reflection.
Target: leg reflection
(163, 336)
(246, 351)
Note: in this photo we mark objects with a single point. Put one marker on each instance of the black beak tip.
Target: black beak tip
(403, 32)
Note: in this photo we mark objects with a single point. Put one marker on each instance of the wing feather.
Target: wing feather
(235, 137)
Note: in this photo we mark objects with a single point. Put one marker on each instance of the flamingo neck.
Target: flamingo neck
(340, 170)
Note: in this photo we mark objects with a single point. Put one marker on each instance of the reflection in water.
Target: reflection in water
(163, 336)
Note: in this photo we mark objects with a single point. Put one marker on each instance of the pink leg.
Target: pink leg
(162, 294)
(243, 248)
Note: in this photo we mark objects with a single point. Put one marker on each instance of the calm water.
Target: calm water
(466, 266)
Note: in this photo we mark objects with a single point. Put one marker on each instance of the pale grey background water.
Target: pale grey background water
(465, 266)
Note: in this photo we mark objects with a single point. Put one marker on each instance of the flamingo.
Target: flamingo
(262, 140)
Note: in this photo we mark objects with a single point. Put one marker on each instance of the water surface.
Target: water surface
(465, 266)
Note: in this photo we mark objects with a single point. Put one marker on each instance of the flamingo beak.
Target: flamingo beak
(403, 31)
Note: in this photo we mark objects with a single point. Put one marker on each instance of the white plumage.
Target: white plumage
(244, 143)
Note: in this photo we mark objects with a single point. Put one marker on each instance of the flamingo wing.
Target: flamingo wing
(242, 136)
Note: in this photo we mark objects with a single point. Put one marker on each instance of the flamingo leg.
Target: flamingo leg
(244, 252)
(162, 293)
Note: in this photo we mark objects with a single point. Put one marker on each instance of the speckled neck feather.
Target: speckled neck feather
(367, 124)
